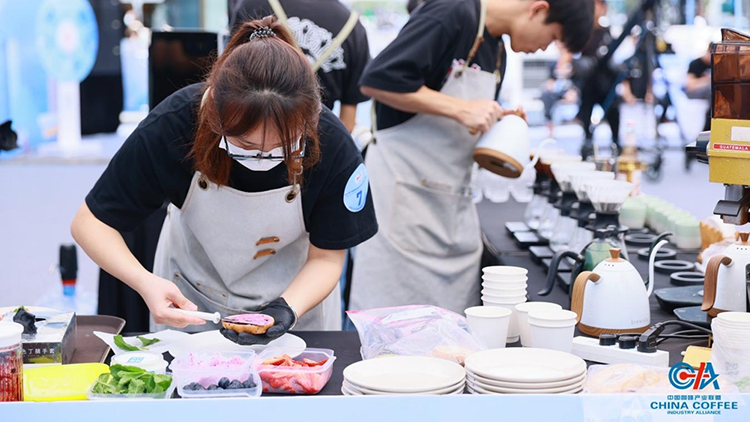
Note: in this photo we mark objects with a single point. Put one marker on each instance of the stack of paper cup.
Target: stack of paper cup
(552, 329)
(506, 287)
(730, 353)
(522, 316)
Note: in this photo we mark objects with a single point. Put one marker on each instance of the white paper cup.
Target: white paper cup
(522, 314)
(504, 285)
(736, 317)
(494, 293)
(552, 318)
(554, 338)
(504, 271)
(513, 333)
(490, 323)
(504, 278)
(510, 300)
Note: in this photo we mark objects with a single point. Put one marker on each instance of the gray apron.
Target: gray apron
(232, 251)
(428, 248)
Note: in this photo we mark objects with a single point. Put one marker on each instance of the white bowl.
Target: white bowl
(504, 271)
(493, 293)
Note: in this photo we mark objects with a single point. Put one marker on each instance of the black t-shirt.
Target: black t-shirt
(152, 166)
(314, 24)
(438, 32)
(698, 67)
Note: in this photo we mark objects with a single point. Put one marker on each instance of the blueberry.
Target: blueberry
(224, 382)
(213, 387)
(188, 387)
(198, 387)
(235, 385)
(248, 384)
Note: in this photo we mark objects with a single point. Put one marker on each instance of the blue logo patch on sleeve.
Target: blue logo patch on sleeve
(355, 192)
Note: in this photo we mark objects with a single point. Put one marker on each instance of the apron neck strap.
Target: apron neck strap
(480, 34)
(338, 40)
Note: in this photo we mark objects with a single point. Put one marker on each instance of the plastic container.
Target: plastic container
(295, 379)
(151, 362)
(208, 368)
(155, 396)
(61, 382)
(11, 362)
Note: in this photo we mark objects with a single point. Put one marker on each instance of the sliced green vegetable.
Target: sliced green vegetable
(131, 380)
(148, 341)
(120, 342)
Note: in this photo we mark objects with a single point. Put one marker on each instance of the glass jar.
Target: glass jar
(11, 362)
(563, 234)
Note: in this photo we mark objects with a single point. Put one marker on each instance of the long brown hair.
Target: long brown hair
(256, 82)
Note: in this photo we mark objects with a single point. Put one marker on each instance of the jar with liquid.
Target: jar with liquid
(11, 362)
(730, 76)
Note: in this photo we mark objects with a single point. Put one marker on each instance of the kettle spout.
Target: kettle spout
(655, 246)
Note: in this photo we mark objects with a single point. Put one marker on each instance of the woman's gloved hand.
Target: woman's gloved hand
(284, 320)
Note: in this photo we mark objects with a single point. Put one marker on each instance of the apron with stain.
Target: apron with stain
(232, 251)
(428, 248)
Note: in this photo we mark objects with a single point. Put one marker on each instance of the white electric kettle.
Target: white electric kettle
(725, 285)
(505, 148)
(613, 298)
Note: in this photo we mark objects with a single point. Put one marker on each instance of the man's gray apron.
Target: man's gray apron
(428, 248)
(232, 251)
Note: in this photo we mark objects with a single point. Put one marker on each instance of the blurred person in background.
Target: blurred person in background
(331, 37)
(558, 87)
(698, 82)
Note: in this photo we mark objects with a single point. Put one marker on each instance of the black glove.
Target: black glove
(284, 319)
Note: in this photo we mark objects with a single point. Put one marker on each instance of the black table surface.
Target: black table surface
(346, 344)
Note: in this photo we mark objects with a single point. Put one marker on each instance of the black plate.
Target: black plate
(687, 278)
(669, 266)
(694, 315)
(640, 239)
(661, 255)
(516, 226)
(538, 253)
(672, 298)
(528, 239)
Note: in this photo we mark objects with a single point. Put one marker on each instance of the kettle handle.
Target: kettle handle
(655, 246)
(579, 288)
(548, 141)
(553, 269)
(709, 283)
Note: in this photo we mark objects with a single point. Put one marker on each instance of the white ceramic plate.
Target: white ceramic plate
(366, 391)
(213, 340)
(475, 389)
(525, 364)
(347, 392)
(476, 379)
(404, 374)
(501, 390)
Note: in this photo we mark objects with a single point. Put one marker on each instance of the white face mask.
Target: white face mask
(254, 159)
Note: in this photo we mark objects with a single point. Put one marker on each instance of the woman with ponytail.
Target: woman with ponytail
(266, 192)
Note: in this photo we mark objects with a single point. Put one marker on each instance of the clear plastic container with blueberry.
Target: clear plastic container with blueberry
(216, 374)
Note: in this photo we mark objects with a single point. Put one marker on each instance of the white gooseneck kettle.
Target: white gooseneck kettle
(505, 148)
(613, 297)
(725, 285)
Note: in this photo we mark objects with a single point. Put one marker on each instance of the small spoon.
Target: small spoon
(211, 317)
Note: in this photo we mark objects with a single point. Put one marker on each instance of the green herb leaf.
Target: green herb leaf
(136, 386)
(116, 370)
(148, 341)
(120, 342)
(163, 381)
(131, 380)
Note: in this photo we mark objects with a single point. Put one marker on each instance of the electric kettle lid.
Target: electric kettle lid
(615, 264)
(742, 245)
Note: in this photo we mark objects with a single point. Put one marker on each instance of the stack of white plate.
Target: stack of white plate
(505, 286)
(524, 371)
(404, 375)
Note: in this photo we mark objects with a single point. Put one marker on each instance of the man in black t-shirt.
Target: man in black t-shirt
(436, 88)
(315, 24)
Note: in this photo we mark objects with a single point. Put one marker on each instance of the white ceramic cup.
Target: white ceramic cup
(554, 338)
(493, 294)
(552, 318)
(522, 315)
(513, 333)
(490, 323)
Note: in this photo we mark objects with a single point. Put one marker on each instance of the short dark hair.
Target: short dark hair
(576, 18)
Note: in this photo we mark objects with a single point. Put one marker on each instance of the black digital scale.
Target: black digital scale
(566, 265)
(516, 226)
(539, 253)
(672, 298)
(526, 240)
(693, 314)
